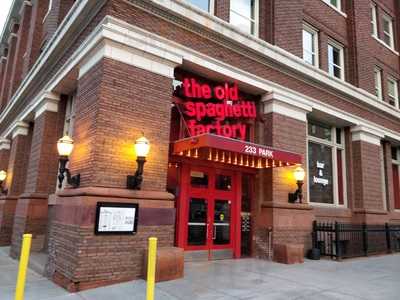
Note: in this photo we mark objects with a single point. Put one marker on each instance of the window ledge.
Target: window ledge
(387, 104)
(336, 9)
(327, 205)
(383, 43)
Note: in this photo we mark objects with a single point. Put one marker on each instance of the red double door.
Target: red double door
(209, 212)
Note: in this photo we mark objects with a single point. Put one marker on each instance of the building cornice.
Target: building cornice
(367, 134)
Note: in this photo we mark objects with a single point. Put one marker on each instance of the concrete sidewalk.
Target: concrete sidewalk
(364, 278)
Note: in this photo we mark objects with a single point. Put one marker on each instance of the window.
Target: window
(378, 83)
(335, 60)
(207, 5)
(396, 178)
(335, 3)
(326, 164)
(388, 31)
(310, 45)
(393, 92)
(374, 24)
(244, 15)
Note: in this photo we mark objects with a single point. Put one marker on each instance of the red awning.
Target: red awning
(226, 150)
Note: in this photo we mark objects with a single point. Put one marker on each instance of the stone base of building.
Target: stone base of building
(282, 223)
(79, 259)
(7, 212)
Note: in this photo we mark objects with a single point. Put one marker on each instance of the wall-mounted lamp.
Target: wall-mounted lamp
(65, 145)
(142, 148)
(3, 176)
(297, 196)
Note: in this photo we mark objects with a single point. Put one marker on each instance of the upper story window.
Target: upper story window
(335, 3)
(244, 15)
(378, 83)
(393, 92)
(310, 45)
(388, 38)
(335, 60)
(207, 5)
(374, 24)
(326, 164)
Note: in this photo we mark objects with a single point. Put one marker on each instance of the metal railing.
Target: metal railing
(341, 240)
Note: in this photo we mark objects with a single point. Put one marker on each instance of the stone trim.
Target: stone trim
(20, 128)
(48, 103)
(276, 103)
(5, 144)
(366, 134)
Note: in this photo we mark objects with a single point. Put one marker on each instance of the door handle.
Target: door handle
(207, 230)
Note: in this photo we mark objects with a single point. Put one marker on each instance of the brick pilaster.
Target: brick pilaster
(284, 127)
(104, 135)
(35, 41)
(368, 203)
(56, 14)
(16, 74)
(8, 70)
(31, 214)
(15, 181)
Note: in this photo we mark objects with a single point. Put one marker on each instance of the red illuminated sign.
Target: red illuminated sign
(213, 109)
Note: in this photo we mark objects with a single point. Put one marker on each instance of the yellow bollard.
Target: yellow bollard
(151, 268)
(23, 266)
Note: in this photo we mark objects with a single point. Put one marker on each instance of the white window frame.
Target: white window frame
(397, 163)
(374, 22)
(314, 33)
(378, 83)
(395, 97)
(211, 6)
(48, 10)
(334, 146)
(389, 19)
(337, 8)
(334, 44)
(256, 17)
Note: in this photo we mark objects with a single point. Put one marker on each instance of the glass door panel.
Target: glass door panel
(197, 225)
(222, 222)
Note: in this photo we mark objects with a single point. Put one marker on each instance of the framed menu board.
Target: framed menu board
(116, 218)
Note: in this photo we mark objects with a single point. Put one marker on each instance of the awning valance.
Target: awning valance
(231, 151)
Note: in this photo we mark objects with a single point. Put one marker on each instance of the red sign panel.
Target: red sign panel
(217, 110)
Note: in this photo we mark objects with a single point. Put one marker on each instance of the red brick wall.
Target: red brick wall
(222, 9)
(367, 176)
(16, 75)
(35, 41)
(4, 157)
(17, 167)
(43, 162)
(115, 103)
(288, 25)
(57, 13)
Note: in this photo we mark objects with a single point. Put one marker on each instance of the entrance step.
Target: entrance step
(203, 255)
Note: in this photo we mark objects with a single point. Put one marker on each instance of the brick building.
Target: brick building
(232, 94)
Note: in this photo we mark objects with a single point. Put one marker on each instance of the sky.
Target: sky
(4, 9)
